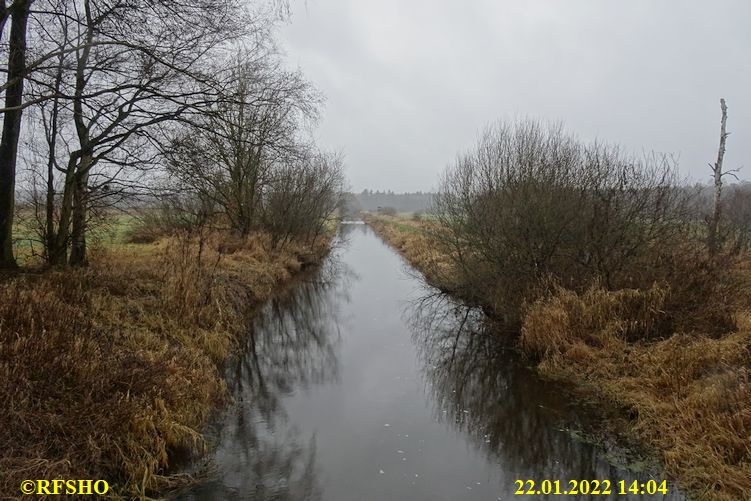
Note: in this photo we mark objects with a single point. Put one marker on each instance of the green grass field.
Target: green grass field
(108, 233)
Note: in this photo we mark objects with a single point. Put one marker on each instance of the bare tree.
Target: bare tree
(129, 70)
(109, 81)
(118, 72)
(230, 155)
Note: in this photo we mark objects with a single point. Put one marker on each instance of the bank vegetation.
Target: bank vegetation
(159, 182)
(601, 267)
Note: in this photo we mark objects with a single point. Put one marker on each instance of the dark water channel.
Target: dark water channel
(359, 385)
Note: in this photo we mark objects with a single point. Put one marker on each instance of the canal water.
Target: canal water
(364, 384)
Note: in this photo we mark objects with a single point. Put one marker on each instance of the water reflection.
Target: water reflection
(291, 346)
(480, 387)
(339, 397)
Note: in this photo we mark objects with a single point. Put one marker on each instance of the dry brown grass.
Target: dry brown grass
(411, 238)
(687, 396)
(596, 318)
(105, 372)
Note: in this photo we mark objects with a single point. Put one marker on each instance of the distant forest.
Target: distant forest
(369, 200)
(737, 203)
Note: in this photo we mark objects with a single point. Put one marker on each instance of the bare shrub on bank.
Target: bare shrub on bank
(301, 197)
(530, 206)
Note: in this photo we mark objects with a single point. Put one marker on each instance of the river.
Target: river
(364, 384)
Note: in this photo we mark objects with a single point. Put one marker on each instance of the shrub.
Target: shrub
(530, 203)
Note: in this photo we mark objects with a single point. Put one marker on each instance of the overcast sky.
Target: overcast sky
(409, 83)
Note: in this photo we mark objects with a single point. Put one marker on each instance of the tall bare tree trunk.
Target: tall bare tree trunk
(80, 205)
(714, 222)
(49, 219)
(49, 236)
(19, 15)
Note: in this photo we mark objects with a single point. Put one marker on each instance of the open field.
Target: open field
(686, 397)
(110, 233)
(107, 371)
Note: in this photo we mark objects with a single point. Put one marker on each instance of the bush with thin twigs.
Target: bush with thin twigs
(530, 202)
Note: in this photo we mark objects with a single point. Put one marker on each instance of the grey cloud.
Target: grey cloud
(409, 83)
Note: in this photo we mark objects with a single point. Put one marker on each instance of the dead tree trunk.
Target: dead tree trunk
(714, 222)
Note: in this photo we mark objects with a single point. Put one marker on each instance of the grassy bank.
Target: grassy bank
(106, 372)
(686, 396)
(410, 237)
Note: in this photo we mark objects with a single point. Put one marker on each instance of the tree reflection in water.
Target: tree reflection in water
(291, 346)
(481, 388)
(488, 421)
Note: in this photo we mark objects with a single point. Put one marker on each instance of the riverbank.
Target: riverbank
(108, 371)
(686, 397)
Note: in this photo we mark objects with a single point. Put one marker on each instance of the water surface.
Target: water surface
(363, 384)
